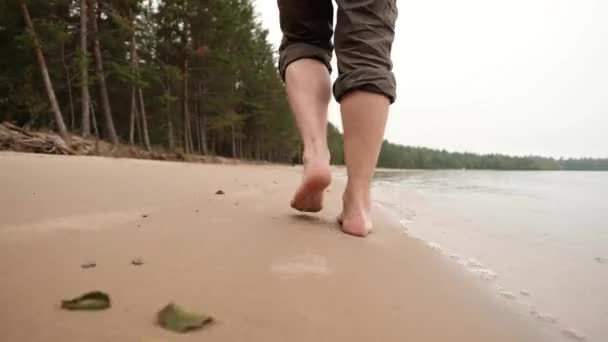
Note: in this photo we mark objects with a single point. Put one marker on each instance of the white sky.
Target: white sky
(516, 77)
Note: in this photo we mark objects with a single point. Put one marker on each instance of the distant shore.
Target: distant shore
(265, 272)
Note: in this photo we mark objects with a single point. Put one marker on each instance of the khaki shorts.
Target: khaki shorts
(364, 35)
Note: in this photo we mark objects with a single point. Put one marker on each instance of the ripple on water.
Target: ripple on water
(486, 274)
(435, 246)
(574, 334)
(506, 294)
(474, 263)
(543, 317)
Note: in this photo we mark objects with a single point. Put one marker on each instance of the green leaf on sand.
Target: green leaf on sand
(174, 318)
(95, 300)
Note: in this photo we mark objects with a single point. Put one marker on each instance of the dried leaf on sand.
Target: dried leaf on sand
(91, 301)
(174, 318)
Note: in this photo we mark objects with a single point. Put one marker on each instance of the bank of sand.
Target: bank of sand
(265, 272)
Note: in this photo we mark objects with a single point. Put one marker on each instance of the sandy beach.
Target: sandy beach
(263, 271)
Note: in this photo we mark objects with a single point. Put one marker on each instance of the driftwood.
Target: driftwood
(18, 139)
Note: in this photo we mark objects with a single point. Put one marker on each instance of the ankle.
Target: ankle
(316, 154)
(356, 199)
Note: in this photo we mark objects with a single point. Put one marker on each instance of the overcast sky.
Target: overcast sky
(517, 77)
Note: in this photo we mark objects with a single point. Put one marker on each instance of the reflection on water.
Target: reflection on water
(540, 233)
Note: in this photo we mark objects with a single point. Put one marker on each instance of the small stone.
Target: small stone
(88, 265)
(137, 262)
(196, 211)
(275, 182)
(575, 335)
(220, 192)
(524, 292)
(144, 215)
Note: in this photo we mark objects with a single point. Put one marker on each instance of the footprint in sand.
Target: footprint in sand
(302, 265)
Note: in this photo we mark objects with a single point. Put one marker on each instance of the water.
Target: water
(538, 239)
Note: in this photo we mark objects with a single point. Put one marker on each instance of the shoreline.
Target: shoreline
(265, 272)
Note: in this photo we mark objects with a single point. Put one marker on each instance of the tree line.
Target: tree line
(190, 76)
(406, 157)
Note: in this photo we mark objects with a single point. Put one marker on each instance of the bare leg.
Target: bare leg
(309, 92)
(364, 116)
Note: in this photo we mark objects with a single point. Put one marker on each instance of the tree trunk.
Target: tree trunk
(48, 85)
(142, 126)
(187, 125)
(94, 121)
(197, 129)
(170, 135)
(138, 123)
(203, 122)
(233, 141)
(68, 78)
(258, 149)
(133, 117)
(84, 73)
(144, 120)
(240, 148)
(103, 90)
(204, 134)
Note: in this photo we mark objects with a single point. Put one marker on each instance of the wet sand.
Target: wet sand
(263, 271)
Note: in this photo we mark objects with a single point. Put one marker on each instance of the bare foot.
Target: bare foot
(316, 178)
(355, 218)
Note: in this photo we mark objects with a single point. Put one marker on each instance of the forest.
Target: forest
(195, 76)
(187, 76)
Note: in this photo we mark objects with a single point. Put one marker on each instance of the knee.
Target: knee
(292, 52)
(375, 80)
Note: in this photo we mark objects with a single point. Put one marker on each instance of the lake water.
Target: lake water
(539, 240)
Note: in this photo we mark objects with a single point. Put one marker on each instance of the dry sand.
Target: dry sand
(265, 272)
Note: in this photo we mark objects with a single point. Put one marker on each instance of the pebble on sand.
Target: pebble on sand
(220, 192)
(88, 265)
(144, 215)
(137, 262)
(524, 292)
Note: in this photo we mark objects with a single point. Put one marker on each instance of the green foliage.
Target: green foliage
(234, 93)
